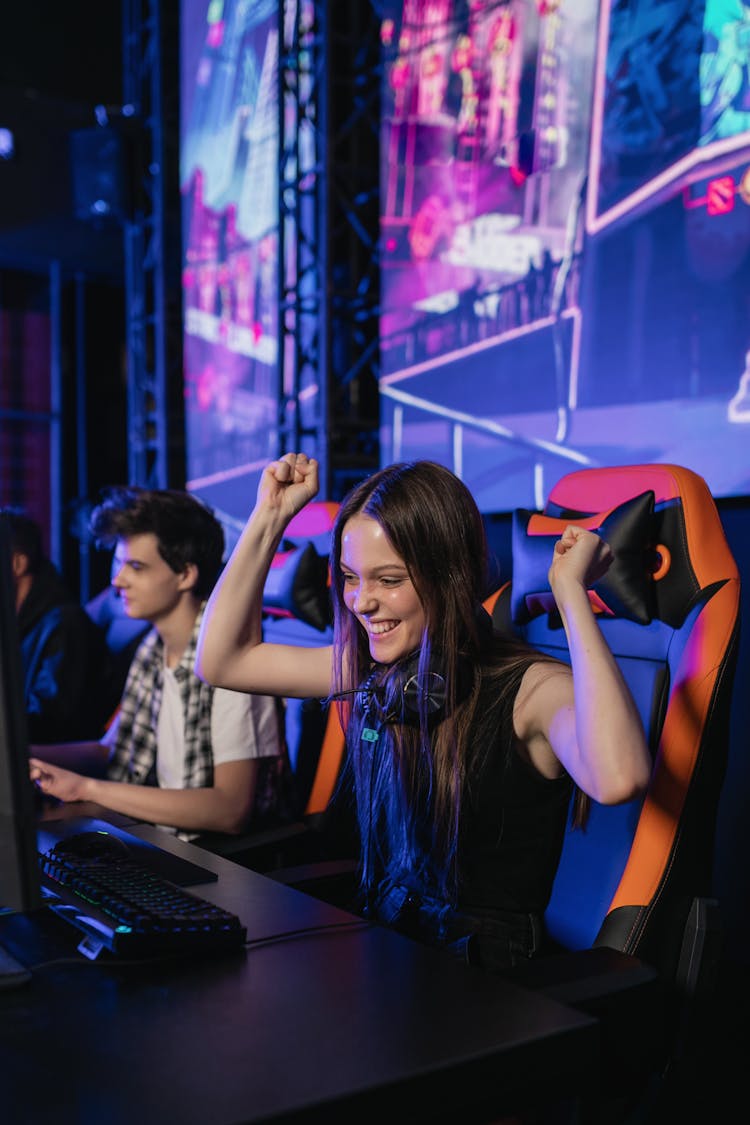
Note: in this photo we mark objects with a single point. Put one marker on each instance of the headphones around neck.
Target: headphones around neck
(398, 694)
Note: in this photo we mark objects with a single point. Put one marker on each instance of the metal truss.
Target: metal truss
(152, 250)
(329, 263)
(354, 220)
(328, 240)
(304, 336)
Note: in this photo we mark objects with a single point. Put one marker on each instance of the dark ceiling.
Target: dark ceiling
(57, 63)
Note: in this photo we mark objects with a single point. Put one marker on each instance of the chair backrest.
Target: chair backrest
(297, 611)
(669, 609)
(122, 635)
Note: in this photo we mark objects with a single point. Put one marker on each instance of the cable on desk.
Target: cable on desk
(305, 931)
(254, 943)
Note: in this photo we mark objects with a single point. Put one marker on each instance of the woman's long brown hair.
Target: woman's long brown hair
(433, 524)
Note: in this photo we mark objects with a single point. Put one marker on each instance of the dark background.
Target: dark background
(57, 63)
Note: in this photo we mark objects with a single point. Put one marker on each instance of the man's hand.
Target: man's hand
(54, 781)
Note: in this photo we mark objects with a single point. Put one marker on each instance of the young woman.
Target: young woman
(464, 745)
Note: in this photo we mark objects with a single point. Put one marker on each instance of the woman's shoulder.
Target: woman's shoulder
(509, 657)
(546, 686)
(541, 677)
(511, 670)
(541, 669)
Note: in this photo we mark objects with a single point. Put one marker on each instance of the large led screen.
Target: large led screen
(671, 103)
(229, 181)
(523, 333)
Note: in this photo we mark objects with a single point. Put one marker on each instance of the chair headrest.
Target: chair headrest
(297, 584)
(626, 590)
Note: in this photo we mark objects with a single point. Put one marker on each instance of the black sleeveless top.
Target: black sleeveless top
(512, 821)
(511, 836)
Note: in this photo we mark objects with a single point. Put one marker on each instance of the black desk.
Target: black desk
(332, 1026)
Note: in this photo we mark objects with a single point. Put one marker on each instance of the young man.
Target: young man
(179, 753)
(63, 653)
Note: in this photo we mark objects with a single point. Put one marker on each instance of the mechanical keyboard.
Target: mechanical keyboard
(92, 880)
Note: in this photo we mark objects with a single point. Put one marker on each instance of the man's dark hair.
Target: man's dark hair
(25, 537)
(186, 529)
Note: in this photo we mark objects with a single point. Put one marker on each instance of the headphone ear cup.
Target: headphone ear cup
(402, 693)
(428, 690)
(405, 692)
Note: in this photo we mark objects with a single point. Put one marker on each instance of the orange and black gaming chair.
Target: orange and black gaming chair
(314, 842)
(633, 892)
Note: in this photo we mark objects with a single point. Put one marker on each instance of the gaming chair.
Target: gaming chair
(313, 843)
(632, 910)
(122, 635)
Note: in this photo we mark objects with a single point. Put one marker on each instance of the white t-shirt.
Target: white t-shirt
(242, 726)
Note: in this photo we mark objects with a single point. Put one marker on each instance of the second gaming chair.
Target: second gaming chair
(122, 635)
(632, 901)
(313, 845)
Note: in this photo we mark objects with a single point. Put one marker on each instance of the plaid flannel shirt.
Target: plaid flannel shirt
(134, 756)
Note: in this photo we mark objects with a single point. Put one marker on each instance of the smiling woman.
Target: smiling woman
(378, 590)
(463, 745)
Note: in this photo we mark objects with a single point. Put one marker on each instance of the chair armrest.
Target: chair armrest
(296, 843)
(625, 994)
(587, 976)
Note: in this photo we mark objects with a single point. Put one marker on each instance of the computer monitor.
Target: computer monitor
(20, 888)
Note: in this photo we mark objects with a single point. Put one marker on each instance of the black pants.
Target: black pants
(490, 939)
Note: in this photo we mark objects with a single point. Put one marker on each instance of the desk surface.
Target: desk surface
(324, 1025)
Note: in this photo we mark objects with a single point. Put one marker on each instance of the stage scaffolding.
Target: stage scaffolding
(328, 205)
(152, 245)
(329, 101)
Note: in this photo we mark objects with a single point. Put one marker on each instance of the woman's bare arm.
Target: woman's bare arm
(588, 721)
(231, 651)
